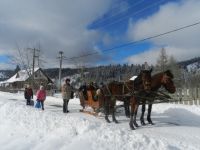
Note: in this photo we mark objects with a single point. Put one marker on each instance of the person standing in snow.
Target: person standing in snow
(83, 89)
(41, 96)
(28, 94)
(67, 91)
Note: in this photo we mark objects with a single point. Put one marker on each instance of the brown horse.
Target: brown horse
(160, 79)
(124, 91)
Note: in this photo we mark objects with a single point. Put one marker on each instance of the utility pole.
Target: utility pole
(33, 67)
(60, 70)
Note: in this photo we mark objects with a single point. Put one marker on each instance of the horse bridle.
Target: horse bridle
(165, 79)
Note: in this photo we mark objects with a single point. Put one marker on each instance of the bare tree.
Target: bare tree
(24, 59)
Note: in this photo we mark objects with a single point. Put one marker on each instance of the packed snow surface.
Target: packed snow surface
(24, 127)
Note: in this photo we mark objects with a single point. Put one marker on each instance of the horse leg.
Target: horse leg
(132, 113)
(113, 108)
(142, 115)
(135, 115)
(149, 114)
(126, 107)
(106, 116)
(106, 111)
(113, 116)
(131, 121)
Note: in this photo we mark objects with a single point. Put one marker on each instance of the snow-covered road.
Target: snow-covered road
(23, 127)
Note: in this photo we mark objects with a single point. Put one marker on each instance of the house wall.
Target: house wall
(39, 75)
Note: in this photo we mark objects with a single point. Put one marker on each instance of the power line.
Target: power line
(135, 42)
(118, 13)
(134, 14)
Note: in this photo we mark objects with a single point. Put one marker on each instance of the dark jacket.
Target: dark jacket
(28, 93)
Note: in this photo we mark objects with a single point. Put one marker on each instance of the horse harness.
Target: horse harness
(130, 93)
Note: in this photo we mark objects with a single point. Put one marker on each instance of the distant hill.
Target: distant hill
(185, 63)
(5, 74)
(191, 65)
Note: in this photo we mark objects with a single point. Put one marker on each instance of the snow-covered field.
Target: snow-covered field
(23, 127)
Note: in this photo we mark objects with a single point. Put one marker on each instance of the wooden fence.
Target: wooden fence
(185, 96)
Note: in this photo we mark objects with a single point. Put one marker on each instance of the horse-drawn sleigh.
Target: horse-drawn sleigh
(143, 90)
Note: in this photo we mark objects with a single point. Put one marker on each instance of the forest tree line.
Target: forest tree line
(183, 76)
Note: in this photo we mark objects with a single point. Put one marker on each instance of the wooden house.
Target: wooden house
(24, 77)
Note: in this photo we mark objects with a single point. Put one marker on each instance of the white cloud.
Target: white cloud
(55, 25)
(182, 44)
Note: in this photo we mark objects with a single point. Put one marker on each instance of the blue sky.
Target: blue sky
(4, 58)
(95, 26)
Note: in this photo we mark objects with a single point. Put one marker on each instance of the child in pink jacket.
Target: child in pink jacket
(41, 96)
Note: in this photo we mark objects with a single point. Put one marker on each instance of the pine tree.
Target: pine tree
(175, 69)
(17, 69)
(162, 61)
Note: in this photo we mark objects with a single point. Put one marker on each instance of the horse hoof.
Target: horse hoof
(115, 121)
(151, 123)
(132, 127)
(143, 123)
(107, 120)
(136, 125)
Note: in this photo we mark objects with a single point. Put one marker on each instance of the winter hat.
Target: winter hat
(41, 87)
(67, 80)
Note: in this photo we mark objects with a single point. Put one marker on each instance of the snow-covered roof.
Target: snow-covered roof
(133, 78)
(22, 75)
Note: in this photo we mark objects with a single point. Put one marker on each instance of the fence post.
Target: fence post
(187, 97)
(196, 95)
(193, 96)
(198, 98)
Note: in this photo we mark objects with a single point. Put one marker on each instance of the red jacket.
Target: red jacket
(41, 95)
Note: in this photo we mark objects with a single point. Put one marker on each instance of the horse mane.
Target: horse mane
(138, 80)
(169, 73)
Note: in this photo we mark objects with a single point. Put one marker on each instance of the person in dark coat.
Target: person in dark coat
(28, 94)
(83, 89)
